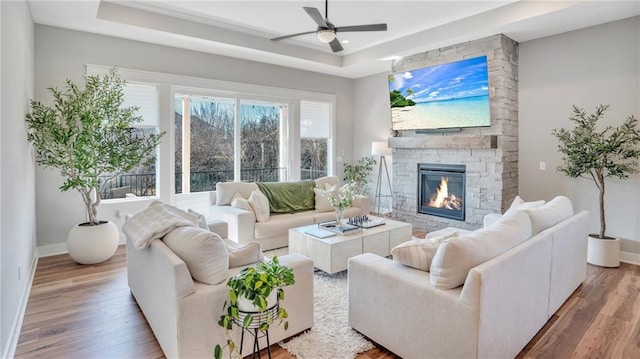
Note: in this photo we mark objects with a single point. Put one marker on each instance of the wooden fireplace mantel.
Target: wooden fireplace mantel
(478, 141)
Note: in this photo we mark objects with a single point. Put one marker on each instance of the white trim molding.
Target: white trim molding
(629, 257)
(17, 323)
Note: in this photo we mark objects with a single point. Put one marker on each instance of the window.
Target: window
(315, 138)
(141, 180)
(205, 142)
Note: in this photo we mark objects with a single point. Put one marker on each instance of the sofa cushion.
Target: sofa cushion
(456, 256)
(322, 202)
(519, 204)
(201, 219)
(202, 251)
(260, 205)
(279, 224)
(418, 252)
(226, 190)
(242, 255)
(287, 197)
(554, 211)
(238, 201)
(327, 180)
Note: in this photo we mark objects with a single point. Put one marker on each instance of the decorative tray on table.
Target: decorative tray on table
(365, 222)
(344, 228)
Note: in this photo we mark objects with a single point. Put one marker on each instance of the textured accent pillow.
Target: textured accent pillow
(202, 220)
(555, 211)
(322, 202)
(456, 256)
(177, 211)
(418, 253)
(518, 204)
(241, 255)
(204, 253)
(239, 201)
(260, 205)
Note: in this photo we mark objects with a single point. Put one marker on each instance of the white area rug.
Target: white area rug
(331, 337)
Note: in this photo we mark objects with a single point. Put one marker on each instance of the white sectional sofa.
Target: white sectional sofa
(274, 233)
(502, 304)
(183, 312)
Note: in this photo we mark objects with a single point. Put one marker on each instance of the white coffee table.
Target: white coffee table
(332, 254)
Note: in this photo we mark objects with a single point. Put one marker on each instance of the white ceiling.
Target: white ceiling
(243, 29)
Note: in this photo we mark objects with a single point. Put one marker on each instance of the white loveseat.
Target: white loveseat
(502, 304)
(183, 313)
(273, 233)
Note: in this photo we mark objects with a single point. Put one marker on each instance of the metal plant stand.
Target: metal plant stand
(268, 316)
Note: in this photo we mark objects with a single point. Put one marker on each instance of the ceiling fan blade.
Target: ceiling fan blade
(293, 35)
(335, 45)
(315, 15)
(370, 27)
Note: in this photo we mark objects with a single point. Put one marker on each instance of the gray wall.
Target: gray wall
(588, 67)
(63, 53)
(17, 183)
(597, 65)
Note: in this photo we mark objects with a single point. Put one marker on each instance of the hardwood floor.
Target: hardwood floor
(87, 311)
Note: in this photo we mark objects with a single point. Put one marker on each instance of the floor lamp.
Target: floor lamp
(382, 149)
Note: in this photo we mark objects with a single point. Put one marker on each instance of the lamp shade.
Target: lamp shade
(380, 148)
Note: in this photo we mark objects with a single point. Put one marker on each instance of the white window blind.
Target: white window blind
(315, 119)
(145, 97)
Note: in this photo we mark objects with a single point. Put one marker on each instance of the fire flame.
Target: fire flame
(442, 198)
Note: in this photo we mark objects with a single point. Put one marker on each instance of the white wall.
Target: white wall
(372, 121)
(17, 183)
(597, 65)
(63, 54)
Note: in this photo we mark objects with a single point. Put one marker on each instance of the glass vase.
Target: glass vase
(339, 215)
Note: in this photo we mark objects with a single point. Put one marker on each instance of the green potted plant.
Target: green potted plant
(597, 154)
(358, 174)
(253, 296)
(87, 134)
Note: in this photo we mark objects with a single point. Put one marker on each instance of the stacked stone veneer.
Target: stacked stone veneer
(492, 174)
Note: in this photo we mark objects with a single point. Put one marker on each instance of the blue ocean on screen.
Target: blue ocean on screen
(461, 112)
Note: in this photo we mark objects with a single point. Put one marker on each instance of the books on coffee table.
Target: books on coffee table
(319, 232)
(344, 228)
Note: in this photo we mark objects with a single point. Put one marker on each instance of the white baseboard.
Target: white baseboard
(17, 323)
(52, 250)
(631, 258)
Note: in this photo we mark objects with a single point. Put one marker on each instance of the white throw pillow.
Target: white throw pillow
(555, 211)
(518, 203)
(204, 253)
(322, 202)
(241, 255)
(456, 256)
(239, 201)
(177, 211)
(418, 253)
(260, 205)
(202, 220)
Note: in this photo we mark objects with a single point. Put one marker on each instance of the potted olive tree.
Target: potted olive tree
(358, 174)
(254, 301)
(596, 154)
(87, 135)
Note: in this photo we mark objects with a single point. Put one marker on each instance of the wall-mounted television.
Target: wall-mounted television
(451, 95)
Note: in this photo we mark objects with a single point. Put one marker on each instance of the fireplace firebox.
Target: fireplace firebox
(441, 190)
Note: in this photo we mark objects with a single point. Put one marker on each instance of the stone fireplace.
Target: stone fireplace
(441, 190)
(487, 155)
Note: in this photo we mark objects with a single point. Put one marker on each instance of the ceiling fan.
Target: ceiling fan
(327, 31)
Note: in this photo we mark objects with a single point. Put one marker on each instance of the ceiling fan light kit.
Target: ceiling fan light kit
(326, 31)
(326, 35)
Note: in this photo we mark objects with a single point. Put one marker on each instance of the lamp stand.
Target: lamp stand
(378, 196)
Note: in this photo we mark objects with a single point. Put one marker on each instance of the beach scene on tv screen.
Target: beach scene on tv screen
(454, 94)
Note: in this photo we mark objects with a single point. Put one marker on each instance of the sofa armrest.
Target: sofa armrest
(240, 223)
(364, 203)
(158, 279)
(490, 218)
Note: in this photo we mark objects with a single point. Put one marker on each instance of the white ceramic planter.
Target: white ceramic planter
(247, 306)
(604, 252)
(93, 244)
